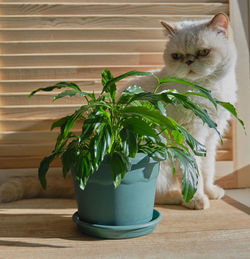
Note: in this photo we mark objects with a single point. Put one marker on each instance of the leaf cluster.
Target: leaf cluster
(118, 128)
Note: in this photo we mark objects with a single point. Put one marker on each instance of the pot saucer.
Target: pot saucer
(117, 232)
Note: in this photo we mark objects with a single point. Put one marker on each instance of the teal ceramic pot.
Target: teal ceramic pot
(131, 203)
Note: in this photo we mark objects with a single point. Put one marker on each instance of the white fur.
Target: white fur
(215, 72)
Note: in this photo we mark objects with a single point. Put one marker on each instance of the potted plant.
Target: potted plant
(115, 159)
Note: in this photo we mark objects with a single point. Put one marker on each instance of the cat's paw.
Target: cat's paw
(214, 192)
(200, 201)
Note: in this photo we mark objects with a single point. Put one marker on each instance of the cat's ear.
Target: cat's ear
(169, 29)
(219, 23)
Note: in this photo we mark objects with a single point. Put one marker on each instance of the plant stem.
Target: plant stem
(158, 84)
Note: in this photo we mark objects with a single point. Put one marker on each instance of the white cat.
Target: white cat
(204, 53)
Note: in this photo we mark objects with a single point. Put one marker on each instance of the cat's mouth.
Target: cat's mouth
(191, 72)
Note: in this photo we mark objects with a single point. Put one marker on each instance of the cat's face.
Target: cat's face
(198, 50)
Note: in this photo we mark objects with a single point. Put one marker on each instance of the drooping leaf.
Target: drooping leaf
(69, 93)
(77, 115)
(68, 157)
(129, 142)
(57, 86)
(205, 92)
(83, 167)
(198, 148)
(59, 123)
(190, 172)
(100, 144)
(79, 168)
(44, 167)
(229, 107)
(195, 108)
(139, 126)
(119, 164)
(153, 116)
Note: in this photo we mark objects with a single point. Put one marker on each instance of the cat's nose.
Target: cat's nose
(190, 59)
(189, 62)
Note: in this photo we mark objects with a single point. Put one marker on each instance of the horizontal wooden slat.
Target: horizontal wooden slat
(227, 143)
(81, 59)
(91, 21)
(78, 72)
(26, 86)
(115, 1)
(24, 162)
(112, 8)
(51, 34)
(224, 155)
(13, 150)
(8, 99)
(68, 46)
(30, 137)
(36, 111)
(29, 124)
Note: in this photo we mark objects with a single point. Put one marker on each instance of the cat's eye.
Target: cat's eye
(177, 56)
(203, 52)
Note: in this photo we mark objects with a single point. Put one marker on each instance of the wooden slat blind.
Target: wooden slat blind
(43, 42)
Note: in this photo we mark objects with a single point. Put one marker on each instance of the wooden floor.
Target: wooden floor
(43, 228)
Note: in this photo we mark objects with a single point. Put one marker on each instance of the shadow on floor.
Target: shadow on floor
(236, 204)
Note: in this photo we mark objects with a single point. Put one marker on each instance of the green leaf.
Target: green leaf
(229, 107)
(83, 167)
(195, 108)
(119, 164)
(145, 96)
(133, 89)
(153, 116)
(60, 123)
(198, 148)
(131, 73)
(68, 156)
(93, 121)
(139, 126)
(189, 172)
(77, 115)
(129, 142)
(178, 137)
(44, 167)
(205, 93)
(57, 86)
(100, 144)
(161, 108)
(111, 87)
(69, 93)
(79, 168)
